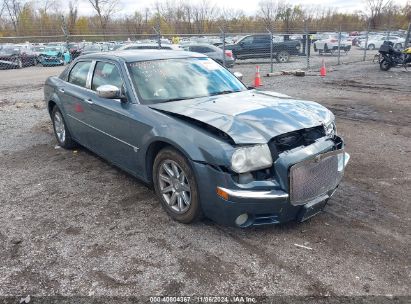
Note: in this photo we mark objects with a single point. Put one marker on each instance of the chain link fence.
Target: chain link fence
(296, 49)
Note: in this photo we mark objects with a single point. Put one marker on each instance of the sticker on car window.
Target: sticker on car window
(209, 64)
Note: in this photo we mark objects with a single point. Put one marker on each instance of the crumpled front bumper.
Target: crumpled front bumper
(264, 202)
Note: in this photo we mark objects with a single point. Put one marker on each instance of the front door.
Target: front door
(115, 133)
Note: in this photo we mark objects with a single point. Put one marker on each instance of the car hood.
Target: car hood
(250, 117)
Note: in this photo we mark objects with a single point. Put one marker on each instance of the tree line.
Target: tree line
(49, 18)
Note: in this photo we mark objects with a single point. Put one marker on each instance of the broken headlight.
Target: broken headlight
(330, 128)
(251, 158)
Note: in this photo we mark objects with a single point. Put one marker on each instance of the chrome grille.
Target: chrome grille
(314, 177)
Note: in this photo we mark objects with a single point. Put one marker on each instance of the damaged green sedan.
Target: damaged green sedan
(210, 146)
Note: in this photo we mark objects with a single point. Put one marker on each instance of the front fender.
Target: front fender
(195, 143)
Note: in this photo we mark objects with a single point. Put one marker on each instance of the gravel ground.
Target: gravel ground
(72, 224)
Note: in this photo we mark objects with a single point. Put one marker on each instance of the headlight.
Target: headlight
(251, 158)
(330, 128)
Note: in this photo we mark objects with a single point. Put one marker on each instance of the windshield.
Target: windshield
(175, 79)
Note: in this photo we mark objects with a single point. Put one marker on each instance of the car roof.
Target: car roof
(142, 55)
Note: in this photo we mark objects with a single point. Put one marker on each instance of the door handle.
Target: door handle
(61, 90)
(89, 101)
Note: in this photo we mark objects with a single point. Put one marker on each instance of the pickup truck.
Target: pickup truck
(258, 46)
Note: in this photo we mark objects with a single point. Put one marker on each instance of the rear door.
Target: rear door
(75, 100)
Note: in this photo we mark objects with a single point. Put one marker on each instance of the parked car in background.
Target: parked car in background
(74, 49)
(328, 43)
(213, 52)
(54, 55)
(17, 56)
(258, 46)
(148, 46)
(376, 42)
(94, 48)
(208, 144)
(38, 49)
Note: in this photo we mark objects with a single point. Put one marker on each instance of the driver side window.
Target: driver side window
(248, 40)
(106, 73)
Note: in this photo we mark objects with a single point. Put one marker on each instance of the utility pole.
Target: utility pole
(271, 50)
(222, 31)
(65, 30)
(366, 40)
(408, 37)
(158, 32)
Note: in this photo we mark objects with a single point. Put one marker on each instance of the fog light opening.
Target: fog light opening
(241, 219)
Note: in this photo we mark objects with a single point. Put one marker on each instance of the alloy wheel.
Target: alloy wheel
(283, 57)
(59, 127)
(174, 186)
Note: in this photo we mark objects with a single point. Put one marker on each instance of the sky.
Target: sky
(248, 6)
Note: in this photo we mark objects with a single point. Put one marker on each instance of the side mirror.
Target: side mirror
(108, 91)
(238, 75)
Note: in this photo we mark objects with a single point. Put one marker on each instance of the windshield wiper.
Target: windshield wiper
(173, 99)
(223, 92)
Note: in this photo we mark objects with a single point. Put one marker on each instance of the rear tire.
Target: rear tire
(371, 47)
(385, 65)
(176, 186)
(61, 131)
(283, 57)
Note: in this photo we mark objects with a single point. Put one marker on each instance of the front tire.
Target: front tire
(176, 186)
(385, 65)
(61, 131)
(371, 47)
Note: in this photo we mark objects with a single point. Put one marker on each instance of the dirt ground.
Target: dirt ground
(72, 224)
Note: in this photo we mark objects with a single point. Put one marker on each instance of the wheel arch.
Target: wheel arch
(50, 106)
(154, 148)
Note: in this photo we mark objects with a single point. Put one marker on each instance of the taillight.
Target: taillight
(229, 53)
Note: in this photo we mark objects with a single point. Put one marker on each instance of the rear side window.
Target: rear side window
(78, 74)
(261, 39)
(106, 73)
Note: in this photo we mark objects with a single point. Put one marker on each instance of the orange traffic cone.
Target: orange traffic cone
(323, 71)
(257, 79)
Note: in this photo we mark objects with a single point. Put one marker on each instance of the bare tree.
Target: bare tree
(375, 8)
(104, 10)
(268, 10)
(72, 15)
(203, 15)
(13, 9)
(48, 5)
